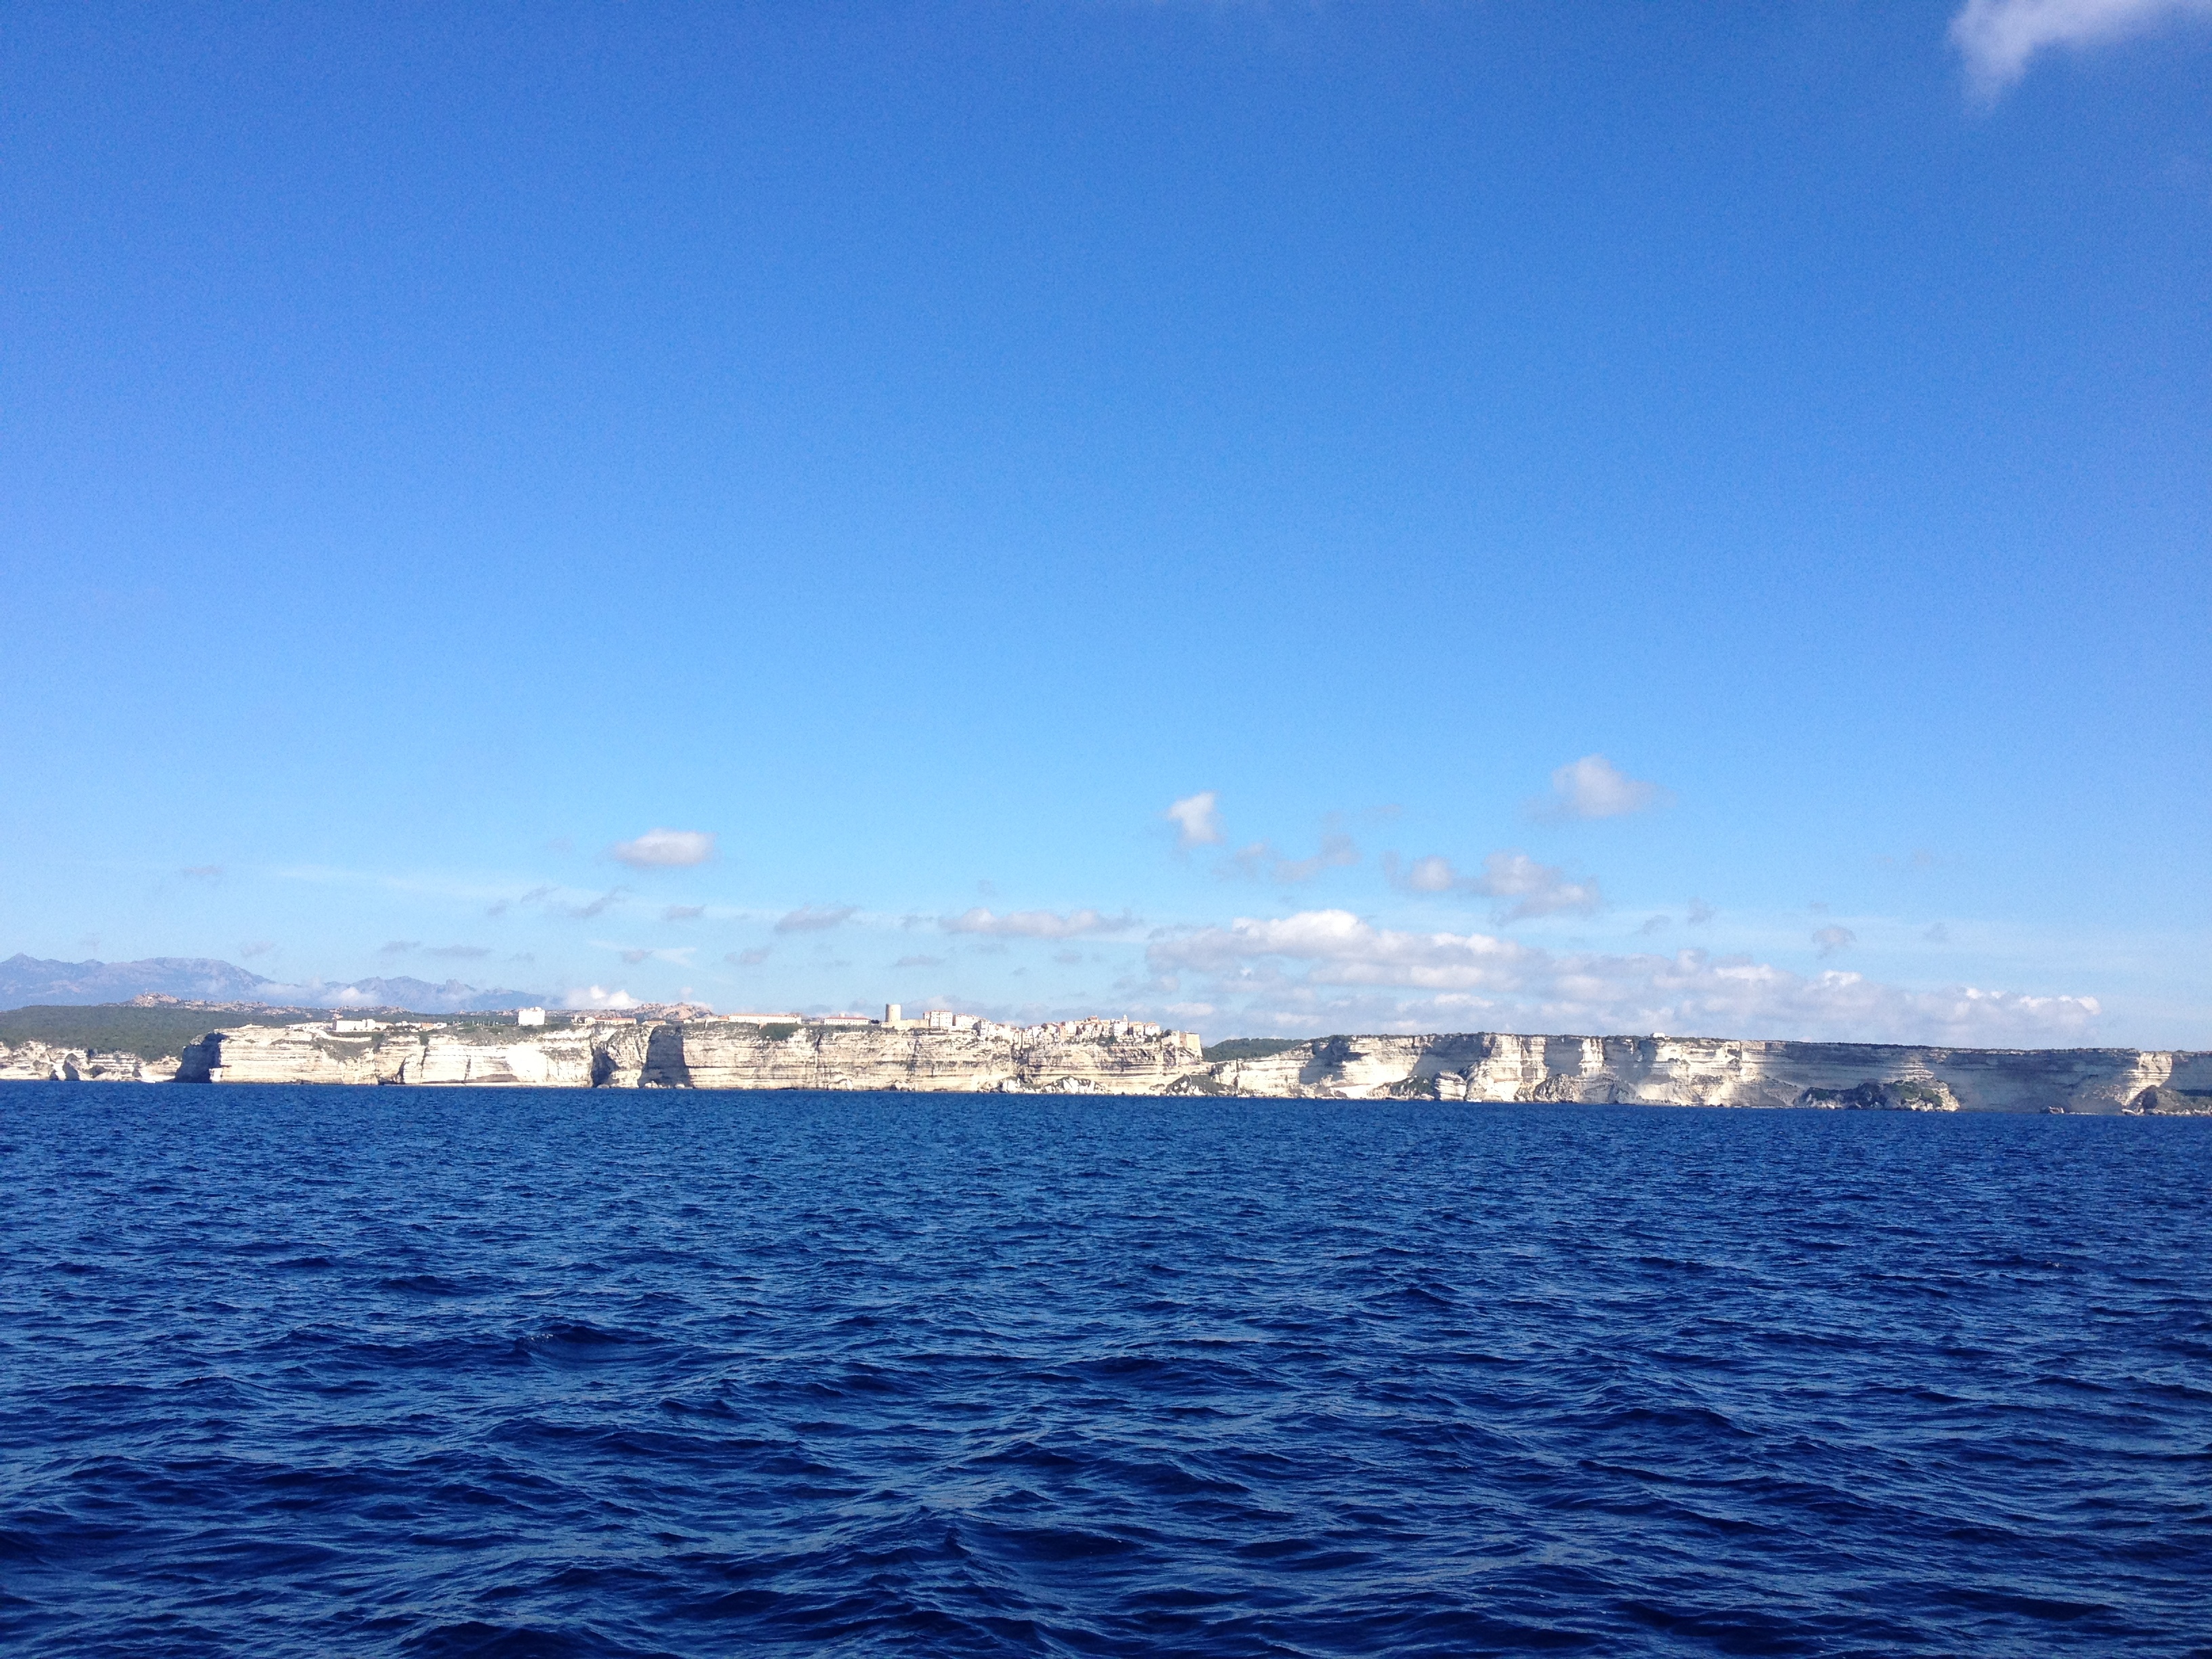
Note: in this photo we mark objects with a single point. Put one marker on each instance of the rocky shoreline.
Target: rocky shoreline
(1110, 1057)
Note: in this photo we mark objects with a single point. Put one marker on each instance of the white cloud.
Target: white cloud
(658, 849)
(813, 918)
(1593, 788)
(1998, 38)
(1036, 924)
(462, 952)
(593, 996)
(260, 947)
(1536, 890)
(919, 962)
(751, 958)
(1328, 970)
(1197, 820)
(684, 913)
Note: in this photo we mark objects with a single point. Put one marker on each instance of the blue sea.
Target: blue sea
(448, 1372)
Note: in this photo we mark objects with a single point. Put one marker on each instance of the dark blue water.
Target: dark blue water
(432, 1372)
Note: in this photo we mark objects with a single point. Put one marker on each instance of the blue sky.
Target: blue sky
(1606, 517)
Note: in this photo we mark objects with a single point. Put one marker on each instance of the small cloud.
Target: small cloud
(523, 955)
(813, 918)
(1699, 913)
(1197, 820)
(560, 844)
(398, 947)
(462, 952)
(593, 996)
(665, 849)
(1067, 959)
(1593, 788)
(1829, 940)
(684, 913)
(1939, 934)
(919, 962)
(260, 947)
(496, 910)
(598, 907)
(1036, 924)
(1535, 890)
(986, 889)
(1921, 859)
(535, 894)
(1432, 874)
(1999, 39)
(1656, 924)
(1817, 907)
(201, 873)
(751, 958)
(635, 955)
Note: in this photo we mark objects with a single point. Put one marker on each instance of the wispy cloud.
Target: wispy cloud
(1330, 970)
(660, 849)
(1593, 788)
(1524, 888)
(1197, 820)
(461, 953)
(751, 958)
(1261, 861)
(813, 918)
(684, 913)
(398, 947)
(260, 947)
(919, 962)
(201, 873)
(1829, 940)
(1036, 924)
(1999, 39)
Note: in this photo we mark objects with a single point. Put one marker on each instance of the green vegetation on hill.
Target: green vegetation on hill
(118, 1028)
(1250, 1047)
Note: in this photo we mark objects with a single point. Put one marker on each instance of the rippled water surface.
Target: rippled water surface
(453, 1372)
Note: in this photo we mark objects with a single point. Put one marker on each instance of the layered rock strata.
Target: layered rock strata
(1488, 1066)
(1112, 1057)
(44, 1062)
(1095, 1057)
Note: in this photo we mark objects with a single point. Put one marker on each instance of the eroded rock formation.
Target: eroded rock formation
(1112, 1057)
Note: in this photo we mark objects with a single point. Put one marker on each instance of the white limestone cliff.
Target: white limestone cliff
(1116, 1057)
(45, 1062)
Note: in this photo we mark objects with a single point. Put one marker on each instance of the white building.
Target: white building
(530, 1017)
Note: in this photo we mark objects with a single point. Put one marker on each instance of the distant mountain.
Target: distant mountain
(25, 979)
(417, 994)
(31, 979)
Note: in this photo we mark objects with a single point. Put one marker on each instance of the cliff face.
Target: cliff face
(1101, 1057)
(1096, 1057)
(1107, 1057)
(44, 1062)
(1718, 1071)
(579, 1057)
